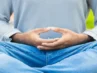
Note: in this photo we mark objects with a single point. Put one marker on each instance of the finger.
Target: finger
(60, 47)
(48, 40)
(41, 30)
(43, 48)
(60, 30)
(51, 48)
(53, 44)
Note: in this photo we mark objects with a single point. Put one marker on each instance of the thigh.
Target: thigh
(9, 64)
(29, 55)
(58, 55)
(81, 62)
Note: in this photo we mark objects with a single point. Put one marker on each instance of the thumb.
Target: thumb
(41, 30)
(59, 30)
(49, 40)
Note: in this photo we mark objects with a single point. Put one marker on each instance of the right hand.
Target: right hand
(32, 37)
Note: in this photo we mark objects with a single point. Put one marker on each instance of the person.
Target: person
(49, 36)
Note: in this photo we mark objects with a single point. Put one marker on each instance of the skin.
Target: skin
(69, 38)
(32, 37)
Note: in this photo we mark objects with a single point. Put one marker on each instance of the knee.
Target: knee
(4, 66)
(7, 63)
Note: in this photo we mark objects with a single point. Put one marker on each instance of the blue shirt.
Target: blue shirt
(31, 14)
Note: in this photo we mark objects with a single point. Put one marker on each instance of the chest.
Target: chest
(50, 2)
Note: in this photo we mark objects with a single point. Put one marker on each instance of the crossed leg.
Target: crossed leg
(85, 61)
(20, 58)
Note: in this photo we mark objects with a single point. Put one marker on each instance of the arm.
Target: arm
(6, 31)
(93, 32)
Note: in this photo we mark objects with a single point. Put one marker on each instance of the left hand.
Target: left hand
(68, 38)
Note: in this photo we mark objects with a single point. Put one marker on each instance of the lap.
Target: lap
(9, 64)
(84, 61)
(25, 53)
(58, 55)
(76, 59)
(34, 57)
(19, 47)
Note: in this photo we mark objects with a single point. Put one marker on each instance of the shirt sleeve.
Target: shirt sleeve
(5, 29)
(93, 32)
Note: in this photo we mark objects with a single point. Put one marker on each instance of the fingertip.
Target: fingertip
(39, 47)
(53, 28)
(48, 28)
(57, 38)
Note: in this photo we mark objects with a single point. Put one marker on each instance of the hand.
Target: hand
(68, 38)
(32, 37)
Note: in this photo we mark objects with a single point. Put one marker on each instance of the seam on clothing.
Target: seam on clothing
(46, 58)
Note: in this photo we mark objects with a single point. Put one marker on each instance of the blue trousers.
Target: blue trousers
(21, 58)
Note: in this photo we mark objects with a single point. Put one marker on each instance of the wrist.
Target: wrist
(85, 38)
(16, 37)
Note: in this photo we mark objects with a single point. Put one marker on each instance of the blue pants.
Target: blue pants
(21, 58)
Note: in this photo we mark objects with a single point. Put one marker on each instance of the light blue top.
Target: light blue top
(31, 14)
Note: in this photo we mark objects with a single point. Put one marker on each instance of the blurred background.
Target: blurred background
(89, 21)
